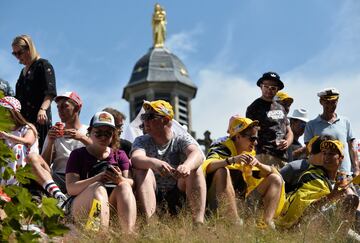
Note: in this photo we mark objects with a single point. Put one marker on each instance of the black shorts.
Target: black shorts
(171, 200)
(236, 179)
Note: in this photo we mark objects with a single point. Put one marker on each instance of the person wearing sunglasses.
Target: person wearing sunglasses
(102, 173)
(275, 135)
(168, 165)
(35, 87)
(298, 121)
(232, 170)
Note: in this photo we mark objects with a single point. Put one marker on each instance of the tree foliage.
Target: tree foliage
(18, 213)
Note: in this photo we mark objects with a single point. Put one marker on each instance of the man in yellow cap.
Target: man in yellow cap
(168, 164)
(294, 169)
(316, 187)
(231, 167)
(331, 123)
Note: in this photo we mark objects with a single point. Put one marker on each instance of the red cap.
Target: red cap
(70, 95)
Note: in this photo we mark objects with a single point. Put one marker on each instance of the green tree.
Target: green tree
(21, 211)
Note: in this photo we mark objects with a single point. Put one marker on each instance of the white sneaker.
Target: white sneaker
(353, 235)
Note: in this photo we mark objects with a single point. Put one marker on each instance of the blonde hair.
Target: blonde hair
(25, 43)
(19, 121)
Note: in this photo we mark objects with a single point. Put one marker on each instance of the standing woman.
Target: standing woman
(87, 179)
(36, 85)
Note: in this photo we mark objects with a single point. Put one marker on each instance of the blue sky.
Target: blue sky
(226, 46)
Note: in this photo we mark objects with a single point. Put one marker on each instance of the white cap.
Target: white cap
(102, 118)
(330, 93)
(300, 114)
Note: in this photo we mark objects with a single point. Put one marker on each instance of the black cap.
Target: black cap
(271, 76)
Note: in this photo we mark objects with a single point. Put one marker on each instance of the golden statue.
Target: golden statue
(159, 26)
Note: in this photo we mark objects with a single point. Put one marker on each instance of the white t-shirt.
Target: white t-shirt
(62, 149)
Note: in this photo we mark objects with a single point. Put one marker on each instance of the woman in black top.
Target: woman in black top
(36, 85)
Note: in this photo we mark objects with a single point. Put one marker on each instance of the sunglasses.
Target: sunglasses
(252, 138)
(270, 87)
(107, 134)
(18, 53)
(149, 116)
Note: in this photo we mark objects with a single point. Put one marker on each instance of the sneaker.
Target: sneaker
(353, 235)
(61, 202)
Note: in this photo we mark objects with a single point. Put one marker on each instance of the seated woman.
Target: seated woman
(22, 138)
(85, 185)
(230, 163)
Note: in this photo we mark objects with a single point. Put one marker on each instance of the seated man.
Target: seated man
(58, 145)
(316, 187)
(293, 170)
(233, 159)
(167, 163)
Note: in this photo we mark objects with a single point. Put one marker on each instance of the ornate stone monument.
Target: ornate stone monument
(160, 74)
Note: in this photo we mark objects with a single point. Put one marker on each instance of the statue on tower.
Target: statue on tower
(159, 26)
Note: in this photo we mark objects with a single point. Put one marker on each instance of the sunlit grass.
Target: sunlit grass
(217, 229)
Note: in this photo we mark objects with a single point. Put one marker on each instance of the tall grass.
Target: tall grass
(167, 228)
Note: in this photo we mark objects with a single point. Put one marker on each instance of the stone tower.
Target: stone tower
(160, 74)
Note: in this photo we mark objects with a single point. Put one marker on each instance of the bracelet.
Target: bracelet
(227, 161)
(42, 109)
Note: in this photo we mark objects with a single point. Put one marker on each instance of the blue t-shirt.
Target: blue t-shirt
(340, 129)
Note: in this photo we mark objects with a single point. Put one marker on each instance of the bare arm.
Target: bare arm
(354, 156)
(75, 186)
(248, 159)
(216, 164)
(141, 161)
(28, 139)
(48, 149)
(289, 137)
(42, 117)
(75, 134)
(194, 159)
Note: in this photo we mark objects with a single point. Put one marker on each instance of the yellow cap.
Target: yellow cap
(282, 96)
(238, 124)
(333, 144)
(161, 107)
(310, 144)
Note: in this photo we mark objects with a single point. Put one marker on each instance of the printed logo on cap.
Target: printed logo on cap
(104, 117)
(166, 111)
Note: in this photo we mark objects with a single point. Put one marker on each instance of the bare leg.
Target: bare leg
(122, 197)
(81, 205)
(270, 189)
(195, 189)
(222, 191)
(145, 191)
(40, 168)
